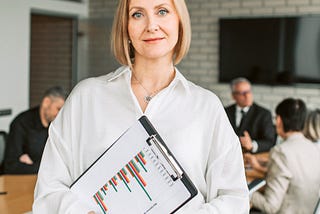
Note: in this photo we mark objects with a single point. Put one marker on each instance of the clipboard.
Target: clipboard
(136, 174)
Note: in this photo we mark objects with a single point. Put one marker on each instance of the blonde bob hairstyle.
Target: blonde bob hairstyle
(124, 51)
(312, 125)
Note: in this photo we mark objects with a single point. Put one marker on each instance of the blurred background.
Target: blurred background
(55, 42)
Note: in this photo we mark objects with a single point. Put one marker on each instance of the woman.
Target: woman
(149, 39)
(292, 180)
(312, 126)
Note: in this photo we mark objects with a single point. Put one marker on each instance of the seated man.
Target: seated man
(293, 181)
(252, 123)
(28, 134)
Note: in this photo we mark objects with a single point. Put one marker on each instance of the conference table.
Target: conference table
(252, 174)
(16, 193)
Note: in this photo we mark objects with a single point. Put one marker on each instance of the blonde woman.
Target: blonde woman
(149, 39)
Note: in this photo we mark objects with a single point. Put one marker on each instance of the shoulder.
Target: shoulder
(202, 95)
(89, 85)
(295, 145)
(26, 116)
(261, 109)
(205, 103)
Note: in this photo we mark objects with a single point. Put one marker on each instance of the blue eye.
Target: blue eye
(163, 12)
(137, 15)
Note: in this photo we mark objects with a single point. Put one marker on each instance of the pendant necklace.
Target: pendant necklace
(148, 97)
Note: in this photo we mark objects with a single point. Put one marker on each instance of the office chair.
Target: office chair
(3, 138)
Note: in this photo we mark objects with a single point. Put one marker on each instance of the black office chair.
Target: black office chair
(3, 139)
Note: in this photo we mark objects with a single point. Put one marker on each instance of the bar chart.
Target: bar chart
(134, 174)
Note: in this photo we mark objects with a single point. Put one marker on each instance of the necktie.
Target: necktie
(243, 114)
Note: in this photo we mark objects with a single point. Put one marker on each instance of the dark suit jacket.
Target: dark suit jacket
(258, 122)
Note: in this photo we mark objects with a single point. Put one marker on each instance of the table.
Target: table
(252, 174)
(18, 197)
(19, 190)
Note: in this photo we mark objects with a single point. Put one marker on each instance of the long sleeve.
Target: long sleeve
(267, 139)
(52, 193)
(278, 180)
(59, 164)
(14, 149)
(226, 184)
(226, 188)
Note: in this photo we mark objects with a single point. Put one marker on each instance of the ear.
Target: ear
(46, 102)
(279, 125)
(233, 96)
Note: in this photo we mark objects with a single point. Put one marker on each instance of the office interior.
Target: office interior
(77, 31)
(22, 79)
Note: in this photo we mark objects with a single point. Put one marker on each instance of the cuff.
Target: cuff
(254, 146)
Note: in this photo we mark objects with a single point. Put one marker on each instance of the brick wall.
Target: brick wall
(201, 64)
(50, 55)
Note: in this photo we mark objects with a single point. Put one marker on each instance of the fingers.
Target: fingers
(25, 159)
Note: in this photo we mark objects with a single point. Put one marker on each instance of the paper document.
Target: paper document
(137, 174)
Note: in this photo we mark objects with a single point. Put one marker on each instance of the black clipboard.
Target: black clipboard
(137, 174)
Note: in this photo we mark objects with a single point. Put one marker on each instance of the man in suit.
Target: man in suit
(252, 123)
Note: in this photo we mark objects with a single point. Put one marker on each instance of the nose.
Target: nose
(152, 25)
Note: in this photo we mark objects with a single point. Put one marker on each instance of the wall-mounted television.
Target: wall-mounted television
(274, 51)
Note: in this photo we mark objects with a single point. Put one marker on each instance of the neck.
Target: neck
(289, 133)
(154, 75)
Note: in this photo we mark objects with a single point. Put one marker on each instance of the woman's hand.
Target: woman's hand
(254, 162)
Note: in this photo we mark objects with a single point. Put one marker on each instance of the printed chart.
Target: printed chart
(133, 176)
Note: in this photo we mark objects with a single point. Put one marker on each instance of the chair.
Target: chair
(317, 208)
(3, 138)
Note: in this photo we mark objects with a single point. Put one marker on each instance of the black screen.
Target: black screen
(270, 50)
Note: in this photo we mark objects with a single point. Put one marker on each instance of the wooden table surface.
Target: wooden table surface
(16, 193)
(252, 174)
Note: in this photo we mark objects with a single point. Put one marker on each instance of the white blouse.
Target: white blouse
(190, 119)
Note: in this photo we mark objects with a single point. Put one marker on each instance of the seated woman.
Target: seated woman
(312, 126)
(292, 180)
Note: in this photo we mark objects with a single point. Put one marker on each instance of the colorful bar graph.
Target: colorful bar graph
(124, 177)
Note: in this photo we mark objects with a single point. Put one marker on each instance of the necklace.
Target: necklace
(148, 97)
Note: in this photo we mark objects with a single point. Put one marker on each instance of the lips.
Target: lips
(152, 39)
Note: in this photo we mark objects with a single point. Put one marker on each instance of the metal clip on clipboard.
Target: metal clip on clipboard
(152, 140)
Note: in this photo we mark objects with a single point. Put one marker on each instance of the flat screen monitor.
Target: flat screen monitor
(274, 51)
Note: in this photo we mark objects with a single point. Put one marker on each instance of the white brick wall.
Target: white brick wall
(201, 64)
(268, 96)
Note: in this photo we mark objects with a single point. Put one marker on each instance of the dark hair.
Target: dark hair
(292, 113)
(55, 91)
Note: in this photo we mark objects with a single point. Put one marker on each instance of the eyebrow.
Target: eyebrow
(141, 8)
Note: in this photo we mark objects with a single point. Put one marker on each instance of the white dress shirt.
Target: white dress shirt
(190, 119)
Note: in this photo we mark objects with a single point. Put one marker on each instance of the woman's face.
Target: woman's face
(153, 28)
